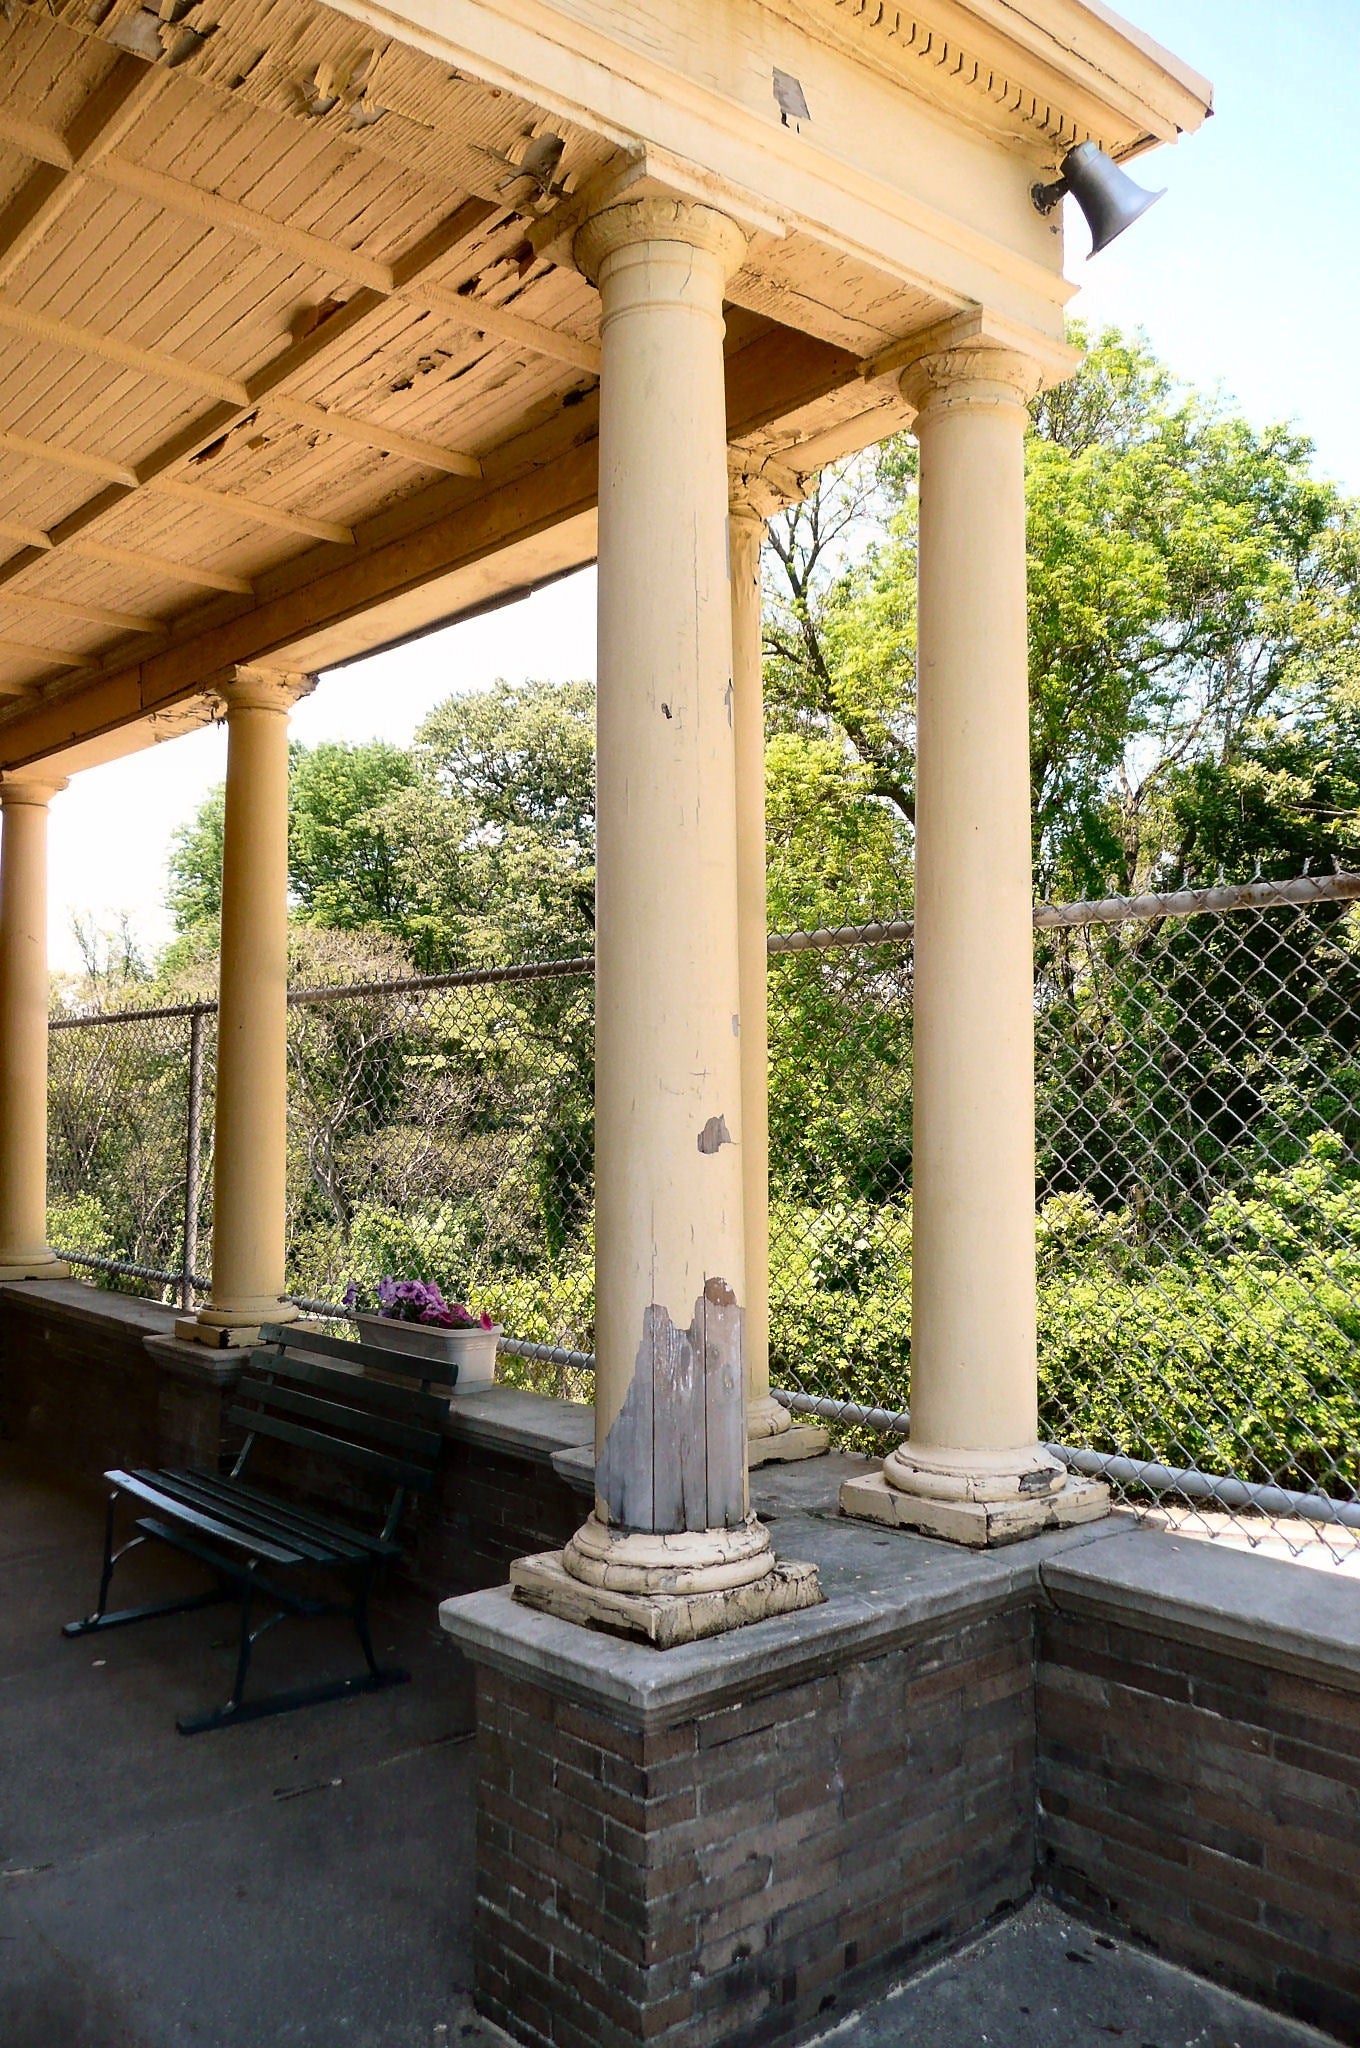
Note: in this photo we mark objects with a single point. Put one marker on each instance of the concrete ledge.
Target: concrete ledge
(1261, 1609)
(79, 1301)
(534, 1426)
(195, 1364)
(884, 1589)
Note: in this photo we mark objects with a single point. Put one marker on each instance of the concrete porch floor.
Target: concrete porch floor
(308, 1880)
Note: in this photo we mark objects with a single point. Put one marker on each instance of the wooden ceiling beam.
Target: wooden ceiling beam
(127, 355)
(212, 209)
(229, 502)
(67, 458)
(31, 536)
(92, 614)
(50, 655)
(263, 390)
(253, 509)
(162, 565)
(108, 113)
(387, 440)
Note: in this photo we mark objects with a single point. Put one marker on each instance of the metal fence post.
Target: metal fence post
(193, 1154)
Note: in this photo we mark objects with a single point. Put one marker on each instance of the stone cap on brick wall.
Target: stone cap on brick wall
(1263, 1609)
(884, 1588)
(533, 1426)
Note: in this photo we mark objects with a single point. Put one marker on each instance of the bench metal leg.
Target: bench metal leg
(375, 1679)
(101, 1618)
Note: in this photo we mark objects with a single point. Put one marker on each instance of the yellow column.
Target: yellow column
(671, 1512)
(250, 1136)
(24, 1251)
(772, 1435)
(972, 1467)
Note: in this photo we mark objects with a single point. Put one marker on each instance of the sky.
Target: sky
(1245, 277)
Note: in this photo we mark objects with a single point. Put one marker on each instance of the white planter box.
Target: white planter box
(472, 1351)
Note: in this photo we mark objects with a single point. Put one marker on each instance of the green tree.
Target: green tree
(344, 854)
(1194, 615)
(498, 829)
(343, 860)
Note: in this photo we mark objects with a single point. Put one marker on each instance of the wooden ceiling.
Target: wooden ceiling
(274, 303)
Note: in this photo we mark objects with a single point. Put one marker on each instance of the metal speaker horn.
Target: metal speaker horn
(1106, 195)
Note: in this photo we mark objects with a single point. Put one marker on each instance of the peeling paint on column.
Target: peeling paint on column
(714, 1134)
(675, 1455)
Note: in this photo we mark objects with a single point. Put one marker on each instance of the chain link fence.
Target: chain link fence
(1198, 1199)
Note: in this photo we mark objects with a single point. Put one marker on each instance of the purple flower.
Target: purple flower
(421, 1301)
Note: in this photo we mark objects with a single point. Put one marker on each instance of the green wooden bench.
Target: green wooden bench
(251, 1536)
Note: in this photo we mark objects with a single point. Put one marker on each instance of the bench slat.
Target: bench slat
(375, 1357)
(401, 1471)
(288, 1513)
(406, 1403)
(211, 1525)
(322, 1545)
(354, 1419)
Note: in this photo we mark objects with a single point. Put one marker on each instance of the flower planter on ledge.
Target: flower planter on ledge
(472, 1351)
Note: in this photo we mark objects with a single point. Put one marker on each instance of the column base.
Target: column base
(42, 1266)
(981, 1525)
(662, 1619)
(225, 1328)
(799, 1440)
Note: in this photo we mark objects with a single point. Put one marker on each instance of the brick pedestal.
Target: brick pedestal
(745, 1871)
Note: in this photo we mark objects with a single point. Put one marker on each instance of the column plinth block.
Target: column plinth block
(234, 1324)
(980, 1524)
(650, 1561)
(787, 1446)
(663, 1619)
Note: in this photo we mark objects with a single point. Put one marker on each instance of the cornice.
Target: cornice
(1046, 73)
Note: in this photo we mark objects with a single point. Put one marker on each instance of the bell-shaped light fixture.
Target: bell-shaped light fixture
(1106, 195)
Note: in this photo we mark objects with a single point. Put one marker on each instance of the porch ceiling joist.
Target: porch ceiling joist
(212, 209)
(264, 390)
(105, 118)
(545, 478)
(26, 651)
(230, 502)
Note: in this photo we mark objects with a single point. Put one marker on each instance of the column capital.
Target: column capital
(971, 375)
(756, 491)
(38, 790)
(248, 688)
(657, 218)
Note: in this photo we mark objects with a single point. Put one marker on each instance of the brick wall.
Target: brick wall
(1208, 1806)
(759, 1869)
(488, 1507)
(76, 1384)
